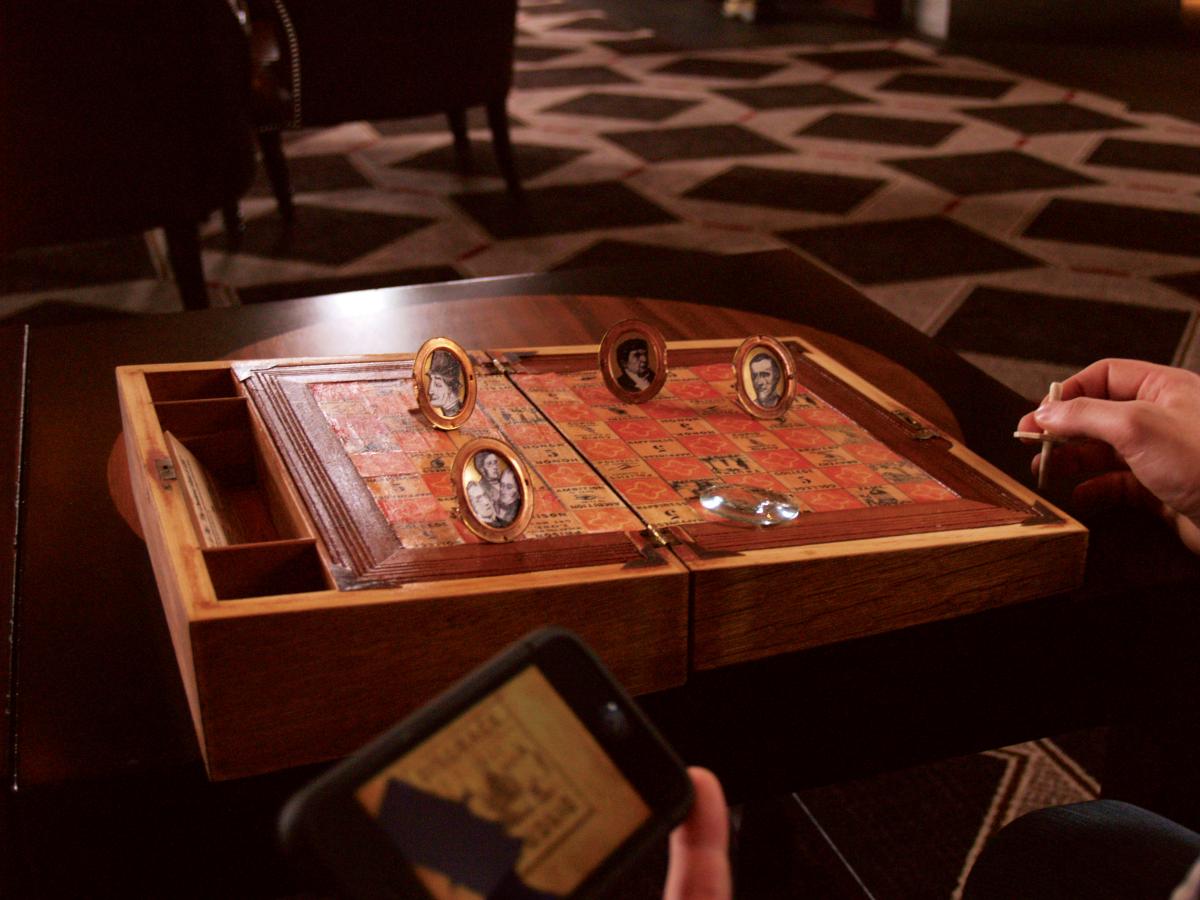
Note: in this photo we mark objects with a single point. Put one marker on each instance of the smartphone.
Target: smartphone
(536, 776)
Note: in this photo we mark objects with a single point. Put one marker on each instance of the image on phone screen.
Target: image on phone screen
(514, 798)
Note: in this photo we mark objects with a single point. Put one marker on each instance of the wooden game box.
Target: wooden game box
(317, 583)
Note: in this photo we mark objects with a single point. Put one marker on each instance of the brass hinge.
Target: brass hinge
(920, 431)
(165, 469)
(658, 538)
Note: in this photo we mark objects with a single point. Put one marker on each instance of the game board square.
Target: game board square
(1048, 118)
(387, 462)
(531, 160)
(1148, 155)
(565, 475)
(948, 86)
(569, 412)
(1068, 330)
(880, 130)
(646, 490)
(733, 423)
(854, 475)
(860, 60)
(708, 444)
(900, 250)
(557, 209)
(332, 237)
(791, 96)
(1000, 171)
(780, 460)
(666, 409)
(763, 480)
(693, 390)
(573, 76)
(638, 429)
(598, 521)
(832, 500)
(694, 142)
(702, 67)
(680, 468)
(787, 189)
(623, 106)
(1113, 225)
(606, 449)
(803, 438)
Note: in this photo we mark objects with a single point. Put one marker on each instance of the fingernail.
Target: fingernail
(1045, 411)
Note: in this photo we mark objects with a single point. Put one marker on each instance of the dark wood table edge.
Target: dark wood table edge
(14, 348)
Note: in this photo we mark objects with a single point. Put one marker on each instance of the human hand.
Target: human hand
(699, 864)
(1141, 428)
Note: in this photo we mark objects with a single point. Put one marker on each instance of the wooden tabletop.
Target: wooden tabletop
(103, 741)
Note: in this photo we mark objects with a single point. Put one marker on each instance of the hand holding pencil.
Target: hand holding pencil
(1132, 437)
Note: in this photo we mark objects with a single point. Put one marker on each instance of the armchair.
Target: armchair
(119, 117)
(321, 63)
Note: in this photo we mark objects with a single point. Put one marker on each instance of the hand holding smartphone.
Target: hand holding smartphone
(534, 777)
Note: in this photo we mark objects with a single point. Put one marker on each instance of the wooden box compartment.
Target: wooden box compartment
(280, 667)
(322, 623)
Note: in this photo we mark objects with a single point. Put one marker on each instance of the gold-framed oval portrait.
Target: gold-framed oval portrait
(493, 488)
(633, 361)
(445, 383)
(764, 377)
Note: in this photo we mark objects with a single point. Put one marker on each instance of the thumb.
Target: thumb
(1110, 421)
(699, 864)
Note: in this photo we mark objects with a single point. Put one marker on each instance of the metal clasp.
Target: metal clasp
(920, 432)
(657, 538)
(165, 469)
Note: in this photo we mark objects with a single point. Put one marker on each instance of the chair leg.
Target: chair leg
(235, 225)
(462, 144)
(183, 250)
(271, 145)
(497, 115)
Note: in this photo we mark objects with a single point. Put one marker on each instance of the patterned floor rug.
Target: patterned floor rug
(1030, 226)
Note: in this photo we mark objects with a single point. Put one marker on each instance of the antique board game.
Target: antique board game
(319, 580)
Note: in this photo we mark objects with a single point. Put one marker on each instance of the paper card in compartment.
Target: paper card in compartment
(215, 526)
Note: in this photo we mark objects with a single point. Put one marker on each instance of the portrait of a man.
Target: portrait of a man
(445, 383)
(764, 377)
(509, 502)
(633, 359)
(490, 468)
(481, 504)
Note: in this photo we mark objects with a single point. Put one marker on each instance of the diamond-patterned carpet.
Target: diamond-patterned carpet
(1024, 223)
(1028, 225)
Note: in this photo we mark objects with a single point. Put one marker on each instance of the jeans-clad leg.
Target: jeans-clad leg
(1099, 850)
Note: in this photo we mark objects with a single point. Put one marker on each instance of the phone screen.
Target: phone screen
(514, 798)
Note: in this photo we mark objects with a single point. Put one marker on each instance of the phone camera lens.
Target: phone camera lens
(614, 720)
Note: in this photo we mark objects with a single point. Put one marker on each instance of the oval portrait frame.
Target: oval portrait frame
(611, 371)
(421, 366)
(744, 356)
(464, 465)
